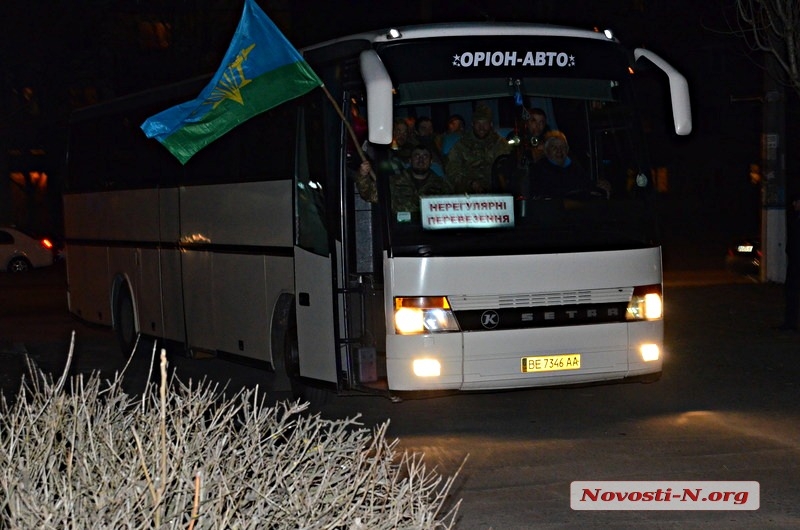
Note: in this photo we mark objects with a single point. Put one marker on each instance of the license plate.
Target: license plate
(551, 363)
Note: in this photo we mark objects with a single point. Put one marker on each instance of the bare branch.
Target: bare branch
(772, 26)
(187, 457)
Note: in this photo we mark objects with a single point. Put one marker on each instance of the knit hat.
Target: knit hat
(482, 112)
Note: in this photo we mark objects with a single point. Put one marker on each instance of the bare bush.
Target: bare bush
(82, 454)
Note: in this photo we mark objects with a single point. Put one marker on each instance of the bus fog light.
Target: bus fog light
(649, 352)
(427, 368)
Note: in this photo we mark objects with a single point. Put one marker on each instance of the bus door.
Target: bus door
(362, 300)
(363, 329)
(313, 267)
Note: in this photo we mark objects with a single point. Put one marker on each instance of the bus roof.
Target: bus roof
(467, 29)
(189, 87)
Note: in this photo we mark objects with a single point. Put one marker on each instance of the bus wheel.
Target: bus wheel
(315, 396)
(125, 322)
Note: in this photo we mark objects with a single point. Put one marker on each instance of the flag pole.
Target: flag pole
(349, 129)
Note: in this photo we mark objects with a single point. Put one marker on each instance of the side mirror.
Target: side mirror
(379, 97)
(678, 91)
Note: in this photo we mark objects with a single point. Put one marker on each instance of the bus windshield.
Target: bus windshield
(508, 198)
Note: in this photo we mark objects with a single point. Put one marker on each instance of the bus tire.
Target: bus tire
(315, 396)
(125, 322)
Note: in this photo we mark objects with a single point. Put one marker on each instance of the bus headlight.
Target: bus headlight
(645, 303)
(425, 314)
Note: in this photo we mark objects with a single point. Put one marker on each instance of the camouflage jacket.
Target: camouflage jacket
(470, 161)
(404, 188)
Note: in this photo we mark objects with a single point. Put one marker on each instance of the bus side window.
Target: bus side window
(312, 232)
(257, 150)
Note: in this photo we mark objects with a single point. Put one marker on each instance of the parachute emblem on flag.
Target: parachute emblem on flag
(232, 81)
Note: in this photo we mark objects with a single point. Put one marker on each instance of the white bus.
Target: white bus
(260, 247)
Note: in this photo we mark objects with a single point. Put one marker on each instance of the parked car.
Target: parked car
(744, 256)
(20, 252)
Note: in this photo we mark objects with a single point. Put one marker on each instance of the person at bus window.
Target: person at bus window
(425, 136)
(512, 173)
(402, 144)
(535, 130)
(469, 163)
(792, 283)
(408, 186)
(558, 175)
(454, 132)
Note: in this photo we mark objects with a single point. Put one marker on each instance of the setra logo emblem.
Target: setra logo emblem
(490, 319)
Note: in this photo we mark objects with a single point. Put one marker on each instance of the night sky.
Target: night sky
(76, 52)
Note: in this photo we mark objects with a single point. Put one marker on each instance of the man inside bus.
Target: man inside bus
(469, 163)
(424, 134)
(454, 132)
(557, 175)
(535, 129)
(512, 173)
(402, 144)
(408, 186)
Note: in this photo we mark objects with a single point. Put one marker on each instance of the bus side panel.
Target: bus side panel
(198, 299)
(125, 262)
(123, 221)
(149, 292)
(255, 215)
(247, 288)
(171, 298)
(121, 217)
(88, 284)
(314, 315)
(169, 267)
(236, 260)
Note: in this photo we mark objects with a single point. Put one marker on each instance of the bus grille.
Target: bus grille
(556, 298)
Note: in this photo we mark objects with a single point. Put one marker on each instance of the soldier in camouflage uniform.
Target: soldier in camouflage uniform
(408, 186)
(403, 142)
(469, 163)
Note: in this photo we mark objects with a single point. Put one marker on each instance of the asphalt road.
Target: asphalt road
(726, 409)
